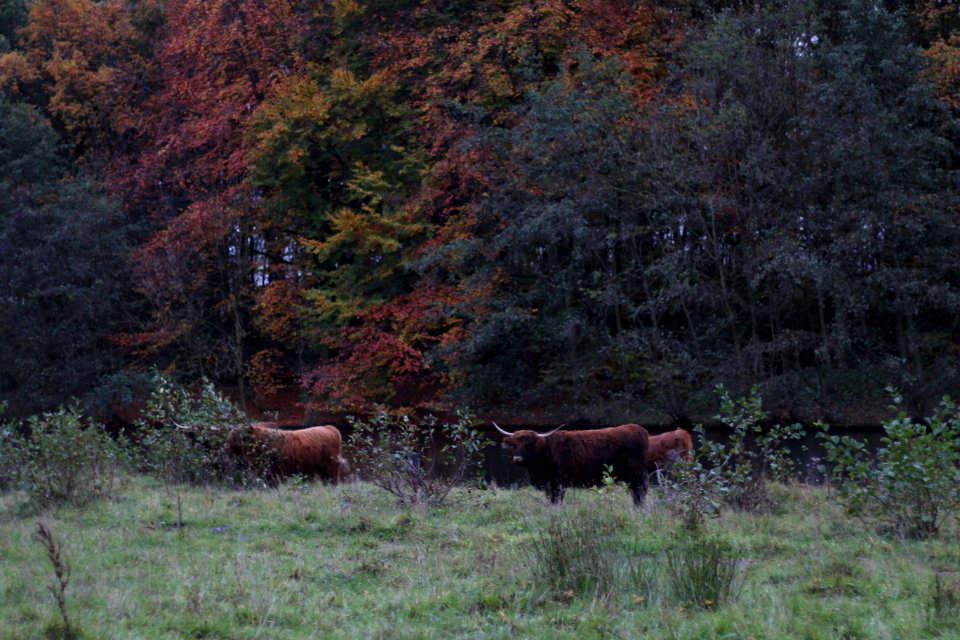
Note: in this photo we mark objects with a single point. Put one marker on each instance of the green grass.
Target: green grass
(346, 562)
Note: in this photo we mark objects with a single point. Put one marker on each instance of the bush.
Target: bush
(58, 458)
(182, 434)
(693, 491)
(737, 468)
(419, 464)
(912, 486)
(182, 438)
(704, 572)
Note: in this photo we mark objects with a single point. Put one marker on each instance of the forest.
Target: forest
(566, 209)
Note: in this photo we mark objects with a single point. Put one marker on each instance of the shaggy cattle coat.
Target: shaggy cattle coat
(580, 458)
(669, 447)
(312, 452)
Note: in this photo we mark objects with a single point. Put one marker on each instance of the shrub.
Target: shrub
(419, 464)
(735, 469)
(182, 434)
(182, 437)
(58, 458)
(912, 485)
(693, 491)
(704, 571)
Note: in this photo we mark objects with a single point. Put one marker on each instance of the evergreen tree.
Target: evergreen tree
(62, 270)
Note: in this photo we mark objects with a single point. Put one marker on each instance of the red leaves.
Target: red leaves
(384, 361)
(215, 62)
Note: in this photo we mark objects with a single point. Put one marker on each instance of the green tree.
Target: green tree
(13, 15)
(810, 176)
(62, 269)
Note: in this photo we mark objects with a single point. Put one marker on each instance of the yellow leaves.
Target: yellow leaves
(297, 112)
(309, 109)
(16, 70)
(944, 56)
(366, 234)
(295, 155)
(371, 96)
(324, 307)
(345, 10)
(297, 99)
(500, 84)
(75, 48)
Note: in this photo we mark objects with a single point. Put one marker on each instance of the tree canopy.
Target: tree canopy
(592, 207)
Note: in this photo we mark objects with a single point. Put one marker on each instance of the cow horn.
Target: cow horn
(544, 435)
(506, 433)
(186, 428)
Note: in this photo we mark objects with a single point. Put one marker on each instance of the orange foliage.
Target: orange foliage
(944, 56)
(267, 373)
(82, 53)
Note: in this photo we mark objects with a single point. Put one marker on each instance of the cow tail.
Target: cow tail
(343, 465)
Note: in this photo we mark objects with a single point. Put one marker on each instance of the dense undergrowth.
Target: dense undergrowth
(316, 561)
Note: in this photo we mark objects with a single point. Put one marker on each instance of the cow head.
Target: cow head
(523, 443)
(242, 441)
(235, 441)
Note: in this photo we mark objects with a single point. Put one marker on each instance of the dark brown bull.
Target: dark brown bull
(312, 452)
(667, 448)
(579, 458)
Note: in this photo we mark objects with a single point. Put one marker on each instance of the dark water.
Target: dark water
(807, 454)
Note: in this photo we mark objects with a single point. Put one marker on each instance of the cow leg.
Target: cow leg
(555, 491)
(638, 488)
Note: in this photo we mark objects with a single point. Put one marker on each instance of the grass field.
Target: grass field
(345, 562)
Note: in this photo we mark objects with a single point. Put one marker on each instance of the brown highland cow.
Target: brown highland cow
(312, 452)
(666, 448)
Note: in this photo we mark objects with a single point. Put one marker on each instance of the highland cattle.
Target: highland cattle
(313, 452)
(557, 460)
(667, 448)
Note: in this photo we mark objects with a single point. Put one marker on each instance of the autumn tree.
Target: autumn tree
(205, 264)
(369, 151)
(74, 59)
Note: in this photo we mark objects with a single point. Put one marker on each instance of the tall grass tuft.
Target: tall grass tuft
(704, 572)
(574, 555)
(944, 604)
(58, 588)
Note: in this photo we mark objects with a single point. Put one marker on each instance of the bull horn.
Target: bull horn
(186, 428)
(544, 435)
(506, 433)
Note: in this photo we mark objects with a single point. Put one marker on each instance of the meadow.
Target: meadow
(318, 561)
